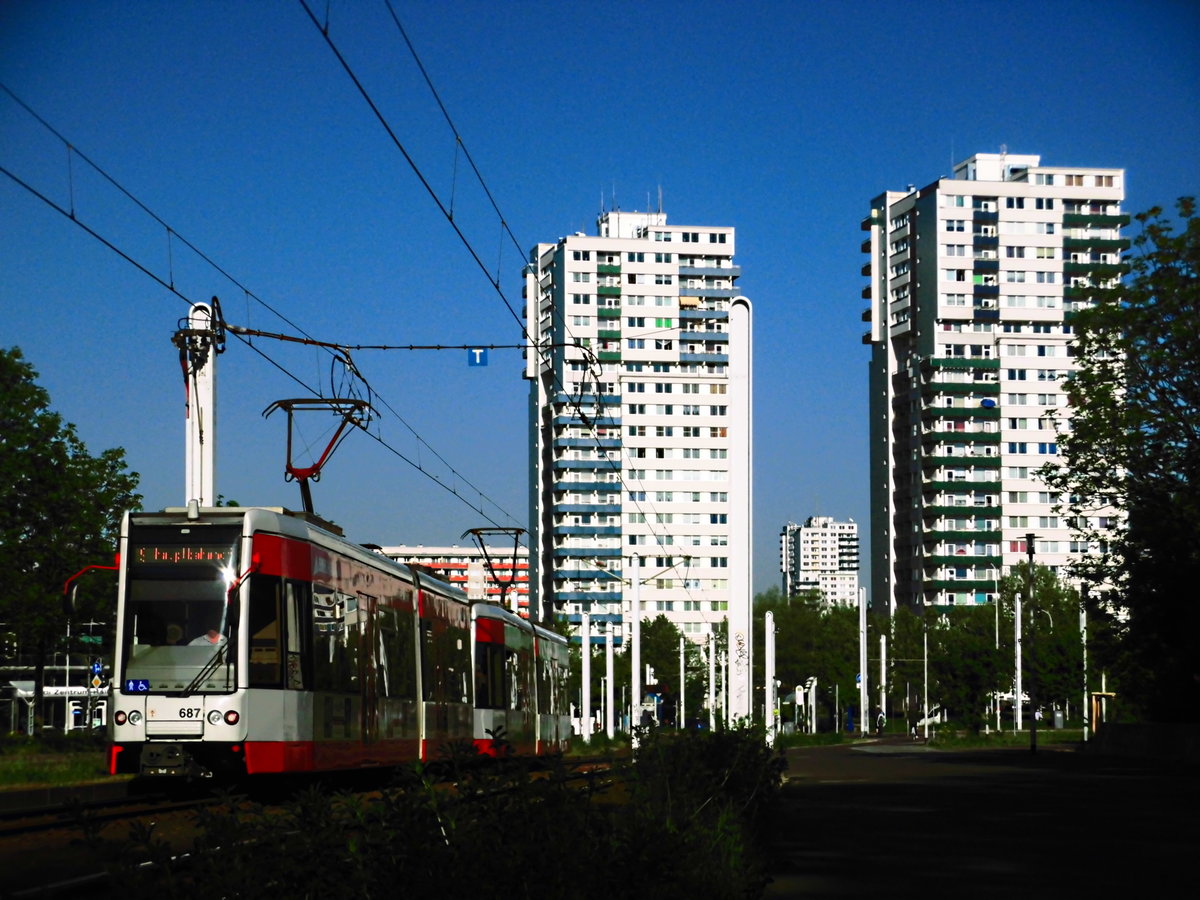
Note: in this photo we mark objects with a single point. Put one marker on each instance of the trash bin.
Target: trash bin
(1058, 718)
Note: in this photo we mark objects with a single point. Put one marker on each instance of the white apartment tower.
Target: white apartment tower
(820, 555)
(973, 283)
(639, 368)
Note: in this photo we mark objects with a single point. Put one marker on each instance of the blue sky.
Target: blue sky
(235, 124)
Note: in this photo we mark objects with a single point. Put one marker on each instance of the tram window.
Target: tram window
(489, 676)
(336, 625)
(296, 598)
(265, 598)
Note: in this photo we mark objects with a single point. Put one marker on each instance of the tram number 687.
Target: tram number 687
(189, 712)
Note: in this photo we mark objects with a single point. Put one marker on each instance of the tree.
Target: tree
(812, 639)
(1052, 655)
(1134, 446)
(60, 510)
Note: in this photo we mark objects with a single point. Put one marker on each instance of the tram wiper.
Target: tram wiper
(209, 668)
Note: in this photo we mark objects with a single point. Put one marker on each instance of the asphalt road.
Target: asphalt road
(908, 821)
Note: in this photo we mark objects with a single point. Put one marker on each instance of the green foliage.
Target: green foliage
(812, 638)
(60, 510)
(1134, 444)
(682, 822)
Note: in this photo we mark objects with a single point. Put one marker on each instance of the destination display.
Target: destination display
(182, 554)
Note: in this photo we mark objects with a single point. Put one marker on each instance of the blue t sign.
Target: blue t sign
(477, 356)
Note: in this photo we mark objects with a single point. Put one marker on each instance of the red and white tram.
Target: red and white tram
(252, 641)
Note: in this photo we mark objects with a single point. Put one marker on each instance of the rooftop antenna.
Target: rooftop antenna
(660, 198)
(199, 343)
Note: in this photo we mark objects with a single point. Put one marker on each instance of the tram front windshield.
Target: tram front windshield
(180, 620)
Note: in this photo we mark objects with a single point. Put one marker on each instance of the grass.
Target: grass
(50, 760)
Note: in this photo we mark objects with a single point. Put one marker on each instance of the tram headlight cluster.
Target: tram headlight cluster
(121, 717)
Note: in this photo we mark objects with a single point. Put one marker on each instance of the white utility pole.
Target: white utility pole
(198, 348)
(608, 688)
(682, 723)
(585, 628)
(863, 713)
(883, 676)
(1017, 718)
(712, 680)
(634, 633)
(769, 675)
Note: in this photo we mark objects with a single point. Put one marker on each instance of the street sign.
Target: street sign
(96, 682)
(477, 356)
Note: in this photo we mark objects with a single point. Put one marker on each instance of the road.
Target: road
(907, 820)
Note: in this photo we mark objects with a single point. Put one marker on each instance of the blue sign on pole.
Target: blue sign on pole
(477, 356)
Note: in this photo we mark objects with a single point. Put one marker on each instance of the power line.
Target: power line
(168, 284)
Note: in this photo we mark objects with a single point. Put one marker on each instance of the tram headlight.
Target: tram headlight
(214, 717)
(232, 717)
(119, 717)
(135, 717)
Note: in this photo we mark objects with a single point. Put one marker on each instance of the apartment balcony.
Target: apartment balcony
(985, 216)
(608, 290)
(960, 388)
(987, 264)
(960, 437)
(970, 462)
(1094, 220)
(709, 292)
(588, 442)
(960, 584)
(609, 355)
(978, 413)
(965, 512)
(702, 314)
(598, 530)
(604, 313)
(1096, 271)
(608, 335)
(966, 559)
(600, 487)
(939, 362)
(1098, 245)
(933, 536)
(588, 597)
(605, 465)
(598, 421)
(608, 269)
(712, 337)
(590, 552)
(711, 271)
(712, 358)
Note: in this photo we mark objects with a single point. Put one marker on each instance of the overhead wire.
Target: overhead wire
(167, 283)
(447, 212)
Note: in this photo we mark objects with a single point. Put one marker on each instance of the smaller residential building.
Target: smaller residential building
(820, 555)
(467, 568)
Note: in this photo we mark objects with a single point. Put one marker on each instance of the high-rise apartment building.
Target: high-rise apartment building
(820, 555)
(973, 283)
(639, 369)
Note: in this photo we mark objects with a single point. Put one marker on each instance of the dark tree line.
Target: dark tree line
(60, 510)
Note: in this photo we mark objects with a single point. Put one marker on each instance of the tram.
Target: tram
(252, 640)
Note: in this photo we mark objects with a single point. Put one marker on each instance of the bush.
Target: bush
(685, 826)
